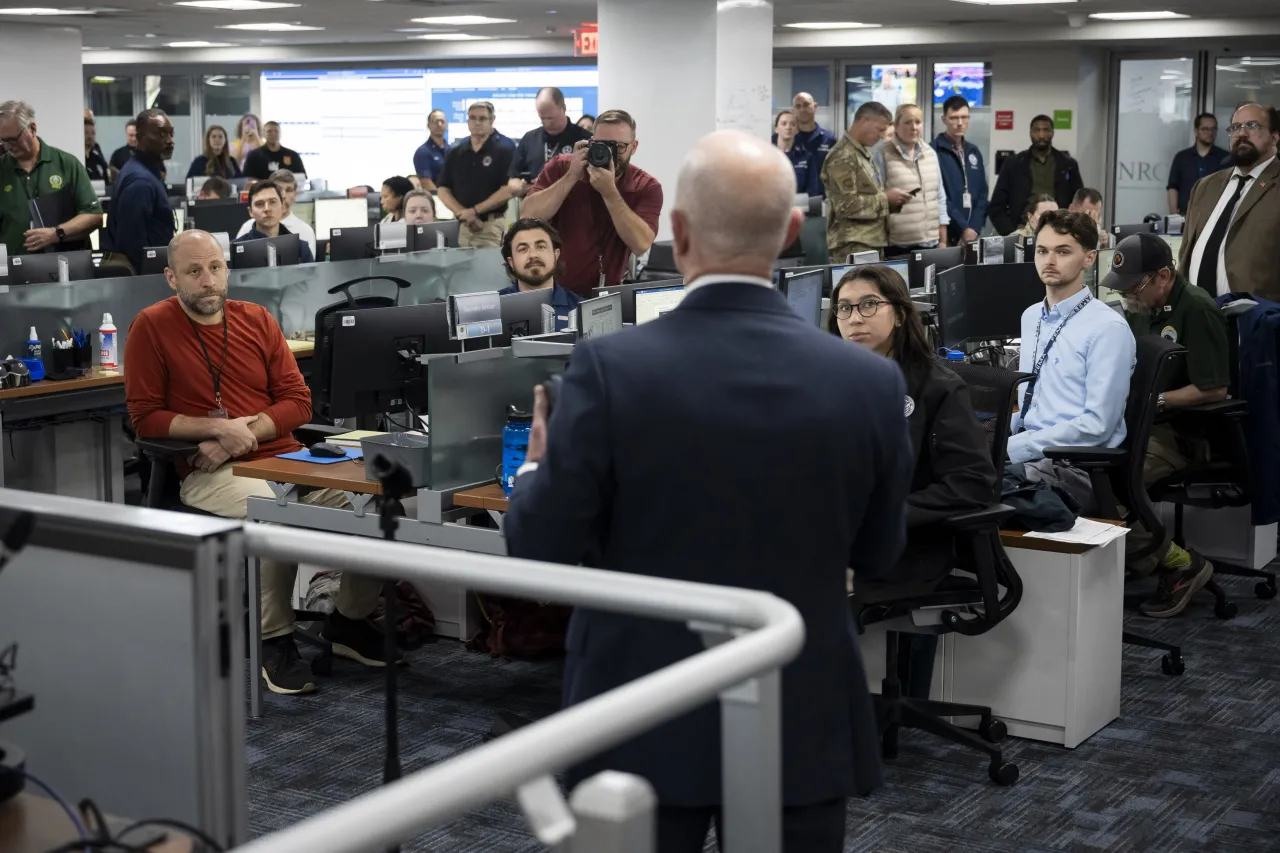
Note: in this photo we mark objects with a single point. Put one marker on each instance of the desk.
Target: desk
(35, 824)
(1051, 670)
(490, 497)
(81, 455)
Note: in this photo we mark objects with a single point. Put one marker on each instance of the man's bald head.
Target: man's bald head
(806, 110)
(550, 106)
(733, 211)
(197, 272)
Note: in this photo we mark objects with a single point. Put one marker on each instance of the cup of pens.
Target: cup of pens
(81, 353)
(70, 354)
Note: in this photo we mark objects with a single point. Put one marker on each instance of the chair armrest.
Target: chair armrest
(989, 515)
(309, 434)
(1220, 409)
(166, 448)
(1088, 458)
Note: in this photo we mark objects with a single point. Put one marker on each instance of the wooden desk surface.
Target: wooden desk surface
(301, 349)
(486, 497)
(34, 824)
(345, 476)
(1018, 539)
(96, 379)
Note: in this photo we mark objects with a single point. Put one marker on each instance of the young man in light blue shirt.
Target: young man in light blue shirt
(1082, 354)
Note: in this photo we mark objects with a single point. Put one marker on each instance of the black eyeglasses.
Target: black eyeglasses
(867, 308)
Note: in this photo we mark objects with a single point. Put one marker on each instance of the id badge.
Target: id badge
(601, 283)
(968, 201)
(219, 414)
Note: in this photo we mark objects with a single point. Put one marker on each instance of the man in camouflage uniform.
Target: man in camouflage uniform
(859, 207)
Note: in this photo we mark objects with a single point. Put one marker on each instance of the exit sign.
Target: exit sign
(586, 42)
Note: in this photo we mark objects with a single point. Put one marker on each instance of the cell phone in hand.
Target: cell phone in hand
(914, 191)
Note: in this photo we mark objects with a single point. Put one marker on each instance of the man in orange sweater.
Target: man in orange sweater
(219, 372)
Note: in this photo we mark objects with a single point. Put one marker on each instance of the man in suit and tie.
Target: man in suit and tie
(1229, 239)
(726, 442)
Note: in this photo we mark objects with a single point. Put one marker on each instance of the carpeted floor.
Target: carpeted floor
(1193, 763)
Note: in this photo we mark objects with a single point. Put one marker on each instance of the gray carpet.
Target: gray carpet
(1193, 763)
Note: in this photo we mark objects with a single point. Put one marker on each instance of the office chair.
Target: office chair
(326, 318)
(961, 604)
(1226, 480)
(1116, 473)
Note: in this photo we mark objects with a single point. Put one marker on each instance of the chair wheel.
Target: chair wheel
(322, 665)
(1225, 610)
(1265, 589)
(993, 730)
(1173, 665)
(1003, 773)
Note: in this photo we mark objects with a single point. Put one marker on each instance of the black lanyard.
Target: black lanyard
(1035, 373)
(216, 376)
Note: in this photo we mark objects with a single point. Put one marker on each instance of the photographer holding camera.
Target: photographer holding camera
(604, 208)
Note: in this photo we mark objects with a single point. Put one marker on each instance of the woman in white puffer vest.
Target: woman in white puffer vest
(907, 163)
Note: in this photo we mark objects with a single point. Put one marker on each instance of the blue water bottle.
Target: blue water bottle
(515, 445)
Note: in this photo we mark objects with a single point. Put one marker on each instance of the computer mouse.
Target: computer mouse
(325, 450)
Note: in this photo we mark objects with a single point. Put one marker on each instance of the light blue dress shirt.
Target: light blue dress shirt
(1080, 397)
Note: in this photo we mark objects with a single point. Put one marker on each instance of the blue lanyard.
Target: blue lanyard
(1035, 373)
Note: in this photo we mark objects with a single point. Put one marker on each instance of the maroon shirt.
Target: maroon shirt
(589, 239)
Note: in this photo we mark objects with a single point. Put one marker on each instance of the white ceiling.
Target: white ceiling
(143, 24)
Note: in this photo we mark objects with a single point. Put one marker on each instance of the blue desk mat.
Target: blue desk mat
(305, 456)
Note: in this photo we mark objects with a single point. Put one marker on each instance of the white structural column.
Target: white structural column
(684, 68)
(41, 65)
(744, 66)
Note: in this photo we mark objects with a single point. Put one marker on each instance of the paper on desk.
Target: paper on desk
(1086, 532)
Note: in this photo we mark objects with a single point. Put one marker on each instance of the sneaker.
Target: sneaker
(1177, 588)
(356, 639)
(284, 669)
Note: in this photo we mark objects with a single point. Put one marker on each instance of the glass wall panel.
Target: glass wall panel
(111, 99)
(1238, 79)
(816, 80)
(1153, 123)
(173, 95)
(226, 100)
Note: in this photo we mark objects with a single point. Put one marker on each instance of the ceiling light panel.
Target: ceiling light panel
(462, 20)
(270, 27)
(235, 5)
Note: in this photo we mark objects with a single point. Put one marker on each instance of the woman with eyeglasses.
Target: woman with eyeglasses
(954, 473)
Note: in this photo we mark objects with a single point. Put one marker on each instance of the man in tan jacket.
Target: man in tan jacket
(1229, 240)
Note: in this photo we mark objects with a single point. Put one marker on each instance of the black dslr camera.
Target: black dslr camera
(601, 153)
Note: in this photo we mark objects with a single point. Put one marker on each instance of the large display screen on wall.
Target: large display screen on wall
(360, 126)
(961, 78)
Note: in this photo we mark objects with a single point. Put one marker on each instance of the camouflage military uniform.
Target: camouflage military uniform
(859, 217)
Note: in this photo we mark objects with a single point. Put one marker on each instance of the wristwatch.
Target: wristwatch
(1160, 403)
(61, 232)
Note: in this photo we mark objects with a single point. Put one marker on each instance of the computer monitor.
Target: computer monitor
(901, 266)
(219, 214)
(522, 315)
(653, 302)
(1175, 243)
(985, 302)
(42, 268)
(392, 236)
(369, 376)
(939, 259)
(340, 213)
(352, 244)
(1119, 232)
(628, 292)
(154, 260)
(251, 254)
(804, 295)
(424, 237)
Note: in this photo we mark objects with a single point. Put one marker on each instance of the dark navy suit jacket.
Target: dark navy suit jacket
(726, 442)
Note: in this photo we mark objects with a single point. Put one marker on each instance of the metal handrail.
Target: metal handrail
(762, 633)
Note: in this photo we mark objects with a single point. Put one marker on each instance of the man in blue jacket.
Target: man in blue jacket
(964, 177)
(734, 398)
(141, 214)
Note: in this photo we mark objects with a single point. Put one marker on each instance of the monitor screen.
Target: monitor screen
(901, 267)
(837, 273)
(340, 213)
(968, 79)
(804, 295)
(653, 303)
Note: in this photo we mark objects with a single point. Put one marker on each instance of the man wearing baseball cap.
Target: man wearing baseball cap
(1158, 300)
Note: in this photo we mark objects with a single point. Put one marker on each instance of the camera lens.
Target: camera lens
(600, 154)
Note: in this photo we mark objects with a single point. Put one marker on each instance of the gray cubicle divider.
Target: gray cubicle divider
(130, 633)
(292, 294)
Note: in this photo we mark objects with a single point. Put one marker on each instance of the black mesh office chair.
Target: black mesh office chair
(1226, 480)
(969, 603)
(1116, 473)
(326, 317)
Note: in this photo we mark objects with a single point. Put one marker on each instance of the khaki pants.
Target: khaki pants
(1166, 455)
(839, 254)
(488, 237)
(224, 494)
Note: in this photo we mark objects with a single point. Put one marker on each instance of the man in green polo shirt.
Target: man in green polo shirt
(1158, 300)
(31, 169)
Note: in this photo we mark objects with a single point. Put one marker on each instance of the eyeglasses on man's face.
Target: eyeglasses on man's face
(866, 308)
(1245, 127)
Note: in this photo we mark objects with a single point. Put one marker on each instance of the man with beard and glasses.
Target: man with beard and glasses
(1229, 241)
(1080, 353)
(1040, 170)
(604, 214)
(219, 373)
(531, 252)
